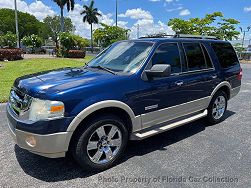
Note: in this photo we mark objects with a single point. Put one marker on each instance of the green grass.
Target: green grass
(14, 69)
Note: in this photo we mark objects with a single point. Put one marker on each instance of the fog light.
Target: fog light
(31, 141)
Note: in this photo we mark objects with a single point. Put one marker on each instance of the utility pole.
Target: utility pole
(138, 31)
(16, 19)
(116, 13)
(244, 34)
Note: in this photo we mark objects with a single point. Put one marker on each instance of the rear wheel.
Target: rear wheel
(217, 107)
(101, 144)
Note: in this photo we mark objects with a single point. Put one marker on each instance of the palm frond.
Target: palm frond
(92, 4)
(68, 4)
(83, 12)
(72, 4)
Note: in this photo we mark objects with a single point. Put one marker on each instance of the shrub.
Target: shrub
(76, 54)
(10, 54)
(67, 41)
(32, 41)
(74, 43)
(80, 43)
(8, 40)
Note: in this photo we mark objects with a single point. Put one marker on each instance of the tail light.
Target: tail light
(239, 76)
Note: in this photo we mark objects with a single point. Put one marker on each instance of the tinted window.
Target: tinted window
(226, 54)
(168, 54)
(195, 56)
(208, 60)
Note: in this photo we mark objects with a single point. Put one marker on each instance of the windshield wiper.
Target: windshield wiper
(103, 68)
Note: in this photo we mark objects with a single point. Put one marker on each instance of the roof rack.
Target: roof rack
(195, 36)
(183, 36)
(156, 36)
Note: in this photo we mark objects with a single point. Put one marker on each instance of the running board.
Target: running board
(142, 135)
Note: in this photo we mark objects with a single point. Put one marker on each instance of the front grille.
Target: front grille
(19, 102)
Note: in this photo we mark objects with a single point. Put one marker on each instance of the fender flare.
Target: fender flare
(100, 105)
(224, 83)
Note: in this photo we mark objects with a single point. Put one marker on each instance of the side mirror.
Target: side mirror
(159, 70)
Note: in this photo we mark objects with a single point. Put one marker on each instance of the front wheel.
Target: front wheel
(217, 107)
(101, 143)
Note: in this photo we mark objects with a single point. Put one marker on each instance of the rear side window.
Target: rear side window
(207, 58)
(226, 54)
(168, 53)
(195, 56)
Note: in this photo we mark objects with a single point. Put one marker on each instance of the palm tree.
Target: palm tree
(70, 6)
(90, 15)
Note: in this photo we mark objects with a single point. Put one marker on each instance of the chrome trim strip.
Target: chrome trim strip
(151, 107)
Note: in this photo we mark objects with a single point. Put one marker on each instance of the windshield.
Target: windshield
(123, 56)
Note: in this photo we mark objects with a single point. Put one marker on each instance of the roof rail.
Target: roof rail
(182, 36)
(157, 36)
(195, 36)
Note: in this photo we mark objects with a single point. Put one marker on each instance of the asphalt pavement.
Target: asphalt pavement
(194, 155)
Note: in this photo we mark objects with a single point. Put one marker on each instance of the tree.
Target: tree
(28, 24)
(227, 29)
(52, 27)
(224, 29)
(110, 34)
(70, 6)
(32, 41)
(238, 48)
(91, 16)
(8, 40)
(70, 41)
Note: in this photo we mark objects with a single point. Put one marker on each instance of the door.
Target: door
(164, 99)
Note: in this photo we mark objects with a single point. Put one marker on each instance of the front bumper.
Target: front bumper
(48, 145)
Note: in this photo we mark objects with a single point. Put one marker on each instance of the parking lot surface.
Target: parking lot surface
(194, 155)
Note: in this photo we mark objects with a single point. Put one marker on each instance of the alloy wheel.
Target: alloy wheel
(219, 107)
(104, 144)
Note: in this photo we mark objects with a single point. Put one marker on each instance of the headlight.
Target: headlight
(44, 109)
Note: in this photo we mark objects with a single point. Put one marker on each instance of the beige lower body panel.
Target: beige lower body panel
(167, 114)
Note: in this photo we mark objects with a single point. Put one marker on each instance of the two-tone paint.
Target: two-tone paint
(146, 103)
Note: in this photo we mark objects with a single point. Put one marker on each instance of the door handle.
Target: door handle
(179, 83)
(214, 76)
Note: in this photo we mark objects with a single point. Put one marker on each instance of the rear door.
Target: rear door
(198, 76)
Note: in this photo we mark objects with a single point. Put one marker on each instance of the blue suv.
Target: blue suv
(132, 90)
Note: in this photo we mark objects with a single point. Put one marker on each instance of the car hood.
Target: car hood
(60, 80)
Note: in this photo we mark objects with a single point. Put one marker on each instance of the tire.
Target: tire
(95, 147)
(216, 113)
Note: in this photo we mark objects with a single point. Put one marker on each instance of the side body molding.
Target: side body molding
(136, 120)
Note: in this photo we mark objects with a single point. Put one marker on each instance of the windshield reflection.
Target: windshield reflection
(126, 56)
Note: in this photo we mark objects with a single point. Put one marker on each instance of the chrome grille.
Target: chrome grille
(19, 102)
